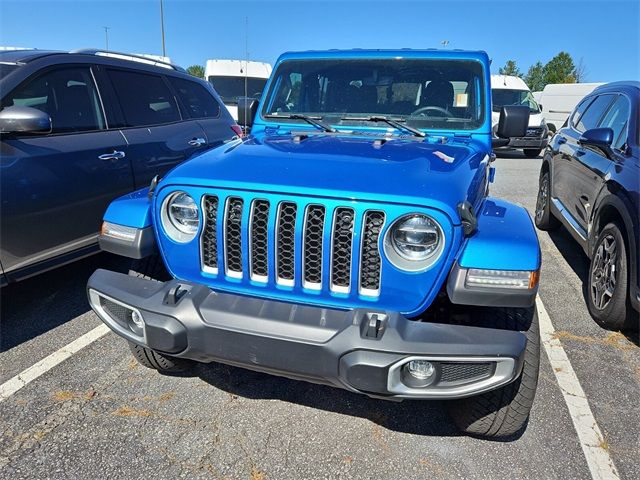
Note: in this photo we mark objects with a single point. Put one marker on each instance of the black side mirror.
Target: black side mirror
(247, 109)
(513, 122)
(597, 137)
(20, 119)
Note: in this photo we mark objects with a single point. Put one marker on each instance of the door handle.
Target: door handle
(115, 155)
(197, 142)
(561, 139)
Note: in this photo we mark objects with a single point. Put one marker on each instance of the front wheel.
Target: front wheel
(158, 361)
(503, 412)
(531, 152)
(544, 219)
(608, 281)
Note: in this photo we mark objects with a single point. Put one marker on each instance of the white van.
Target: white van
(237, 78)
(558, 100)
(508, 90)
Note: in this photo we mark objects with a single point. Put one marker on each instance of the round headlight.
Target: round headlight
(414, 242)
(180, 217)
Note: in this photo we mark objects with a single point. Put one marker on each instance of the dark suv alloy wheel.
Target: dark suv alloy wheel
(544, 220)
(608, 281)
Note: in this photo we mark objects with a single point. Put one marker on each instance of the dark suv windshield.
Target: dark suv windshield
(427, 93)
(230, 88)
(504, 96)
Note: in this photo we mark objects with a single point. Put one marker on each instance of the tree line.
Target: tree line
(560, 69)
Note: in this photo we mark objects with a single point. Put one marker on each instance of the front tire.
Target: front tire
(503, 412)
(608, 281)
(531, 152)
(544, 219)
(152, 268)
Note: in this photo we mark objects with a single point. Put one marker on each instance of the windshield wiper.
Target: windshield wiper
(394, 123)
(311, 120)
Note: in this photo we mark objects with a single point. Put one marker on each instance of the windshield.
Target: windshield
(426, 93)
(230, 88)
(503, 96)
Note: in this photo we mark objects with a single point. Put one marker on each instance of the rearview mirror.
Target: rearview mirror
(247, 109)
(20, 119)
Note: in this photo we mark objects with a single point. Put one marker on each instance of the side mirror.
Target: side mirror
(247, 109)
(601, 138)
(513, 122)
(20, 119)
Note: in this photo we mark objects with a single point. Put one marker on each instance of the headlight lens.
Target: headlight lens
(414, 242)
(180, 217)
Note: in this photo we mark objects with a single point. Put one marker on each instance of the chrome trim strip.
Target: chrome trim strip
(569, 218)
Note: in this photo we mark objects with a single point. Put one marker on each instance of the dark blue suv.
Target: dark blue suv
(590, 182)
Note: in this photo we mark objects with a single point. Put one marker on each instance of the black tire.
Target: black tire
(543, 217)
(503, 412)
(150, 268)
(158, 361)
(531, 152)
(607, 287)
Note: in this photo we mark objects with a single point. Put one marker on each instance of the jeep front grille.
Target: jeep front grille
(293, 244)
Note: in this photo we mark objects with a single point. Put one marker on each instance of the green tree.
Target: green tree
(535, 77)
(560, 69)
(510, 68)
(196, 71)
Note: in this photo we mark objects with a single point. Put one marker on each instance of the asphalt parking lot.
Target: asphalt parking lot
(100, 415)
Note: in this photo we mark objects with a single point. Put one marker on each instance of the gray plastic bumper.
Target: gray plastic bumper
(360, 350)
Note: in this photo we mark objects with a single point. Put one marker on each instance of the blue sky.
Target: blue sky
(604, 34)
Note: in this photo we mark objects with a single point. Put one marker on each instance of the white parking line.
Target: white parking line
(27, 376)
(591, 440)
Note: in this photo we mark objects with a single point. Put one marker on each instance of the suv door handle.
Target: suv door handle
(115, 155)
(197, 142)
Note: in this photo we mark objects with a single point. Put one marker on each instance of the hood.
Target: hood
(397, 170)
(535, 119)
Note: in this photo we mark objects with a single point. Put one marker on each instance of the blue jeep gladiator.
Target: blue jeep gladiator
(348, 240)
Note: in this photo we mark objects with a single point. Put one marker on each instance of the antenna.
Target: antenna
(106, 38)
(164, 52)
(246, 65)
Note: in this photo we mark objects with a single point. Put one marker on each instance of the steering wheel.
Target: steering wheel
(423, 110)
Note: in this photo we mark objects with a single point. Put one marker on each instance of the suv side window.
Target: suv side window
(145, 99)
(617, 119)
(68, 95)
(197, 100)
(594, 112)
(577, 113)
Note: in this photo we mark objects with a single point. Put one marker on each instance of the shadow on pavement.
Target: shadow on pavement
(427, 418)
(41, 303)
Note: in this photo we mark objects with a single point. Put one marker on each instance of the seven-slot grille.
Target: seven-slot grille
(326, 239)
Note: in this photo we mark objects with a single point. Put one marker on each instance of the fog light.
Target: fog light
(136, 318)
(421, 369)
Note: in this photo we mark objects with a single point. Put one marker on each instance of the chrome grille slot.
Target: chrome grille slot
(341, 249)
(285, 243)
(370, 262)
(233, 237)
(209, 234)
(258, 238)
(312, 247)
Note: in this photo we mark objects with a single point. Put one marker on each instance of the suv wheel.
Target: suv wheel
(544, 219)
(503, 412)
(607, 288)
(531, 152)
(152, 268)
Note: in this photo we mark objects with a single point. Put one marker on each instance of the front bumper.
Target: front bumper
(528, 142)
(358, 350)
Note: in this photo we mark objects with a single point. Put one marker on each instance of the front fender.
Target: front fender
(127, 228)
(505, 240)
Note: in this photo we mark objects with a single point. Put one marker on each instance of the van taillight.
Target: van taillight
(237, 130)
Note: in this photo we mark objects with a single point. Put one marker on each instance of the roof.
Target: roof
(508, 82)
(404, 53)
(625, 84)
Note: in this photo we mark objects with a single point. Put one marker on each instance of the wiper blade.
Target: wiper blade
(311, 120)
(394, 123)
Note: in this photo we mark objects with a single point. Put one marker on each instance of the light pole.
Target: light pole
(164, 52)
(106, 37)
(444, 43)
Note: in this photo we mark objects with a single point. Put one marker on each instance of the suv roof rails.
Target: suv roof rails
(130, 57)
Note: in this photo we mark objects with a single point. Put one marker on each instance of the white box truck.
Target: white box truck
(557, 101)
(237, 78)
